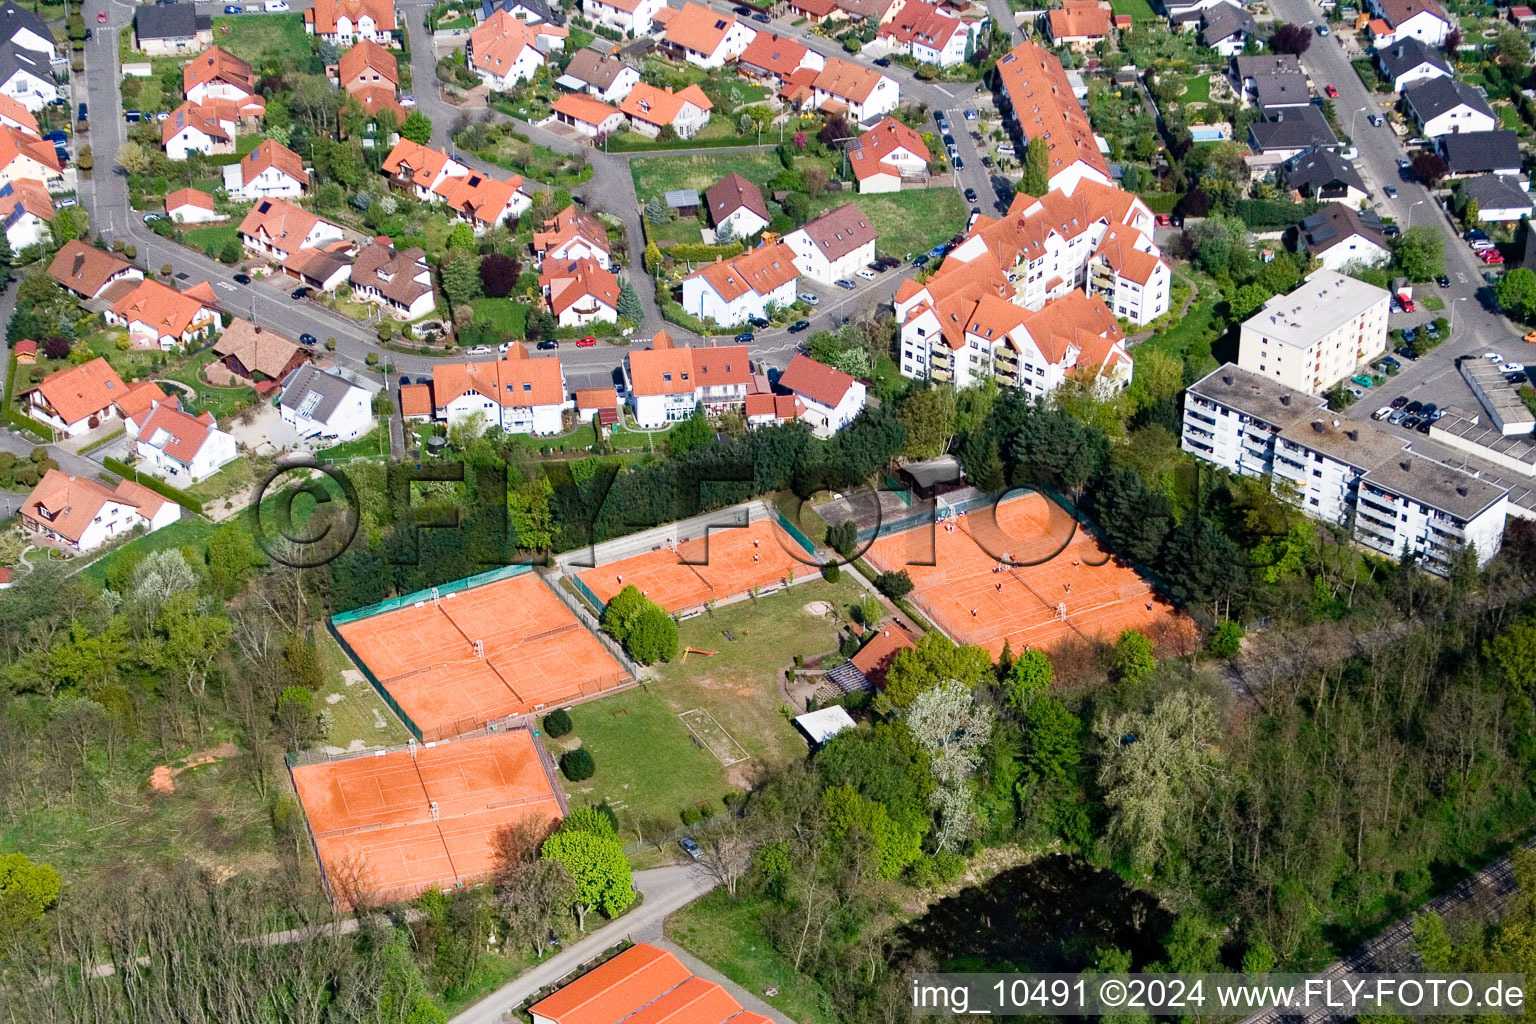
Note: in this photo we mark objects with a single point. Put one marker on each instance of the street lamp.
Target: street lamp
(1354, 125)
(1410, 210)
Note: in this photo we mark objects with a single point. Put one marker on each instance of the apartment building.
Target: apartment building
(1389, 497)
(1043, 105)
(666, 383)
(1318, 334)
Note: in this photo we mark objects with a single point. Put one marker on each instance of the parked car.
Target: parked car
(986, 161)
(586, 342)
(1332, 91)
(1493, 357)
(150, 218)
(810, 298)
(1391, 191)
(301, 292)
(843, 282)
(888, 262)
(970, 115)
(1410, 334)
(484, 350)
(1377, 120)
(101, 16)
(1414, 408)
(882, 62)
(275, 6)
(1475, 235)
(1382, 413)
(921, 261)
(1391, 230)
(959, 164)
(1363, 380)
(1428, 410)
(970, 195)
(762, 19)
(758, 321)
(1510, 368)
(1399, 402)
(308, 339)
(746, 337)
(132, 116)
(1517, 378)
(1164, 220)
(1322, 30)
(691, 848)
(548, 345)
(1492, 257)
(1432, 332)
(404, 380)
(876, 266)
(1410, 422)
(1423, 426)
(1397, 417)
(799, 325)
(866, 273)
(1443, 281)
(745, 12)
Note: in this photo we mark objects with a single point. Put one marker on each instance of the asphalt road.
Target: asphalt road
(1478, 325)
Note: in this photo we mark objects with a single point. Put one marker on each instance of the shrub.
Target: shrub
(832, 572)
(1226, 639)
(894, 585)
(843, 537)
(645, 629)
(557, 723)
(577, 764)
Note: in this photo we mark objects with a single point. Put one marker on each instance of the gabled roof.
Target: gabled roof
(874, 658)
(567, 225)
(328, 390)
(199, 117)
(1046, 107)
(839, 232)
(665, 370)
(587, 109)
(174, 432)
(498, 41)
(614, 990)
(81, 391)
(1408, 53)
(258, 350)
(169, 21)
(698, 28)
(732, 193)
(1472, 152)
(542, 8)
(1443, 93)
(1079, 19)
(163, 309)
(510, 383)
(1076, 320)
(142, 397)
(778, 55)
(71, 503)
(1397, 12)
(1336, 222)
(1295, 128)
(1497, 192)
(393, 273)
(14, 20)
(597, 398)
(188, 197)
(23, 196)
(85, 268)
(425, 163)
(273, 154)
(661, 107)
(817, 381)
(847, 80)
(416, 400)
(761, 270)
(1224, 21)
(479, 196)
(570, 281)
(595, 68)
(1129, 253)
(366, 55)
(216, 64)
(867, 153)
(10, 110)
(327, 12)
(1317, 168)
(285, 225)
(15, 143)
(926, 24)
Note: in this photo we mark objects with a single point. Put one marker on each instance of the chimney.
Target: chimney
(1353, 435)
(1285, 400)
(1226, 379)
(1406, 465)
(1461, 489)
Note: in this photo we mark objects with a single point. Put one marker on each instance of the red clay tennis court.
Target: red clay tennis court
(738, 559)
(503, 648)
(1075, 591)
(393, 825)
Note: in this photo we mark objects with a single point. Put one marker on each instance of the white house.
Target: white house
(704, 37)
(27, 211)
(667, 383)
(504, 51)
(189, 206)
(1424, 20)
(208, 129)
(419, 169)
(343, 22)
(1340, 236)
(82, 514)
(26, 77)
(1445, 106)
(78, 399)
(183, 449)
(579, 292)
(217, 74)
(888, 154)
(483, 202)
(832, 398)
(834, 246)
(158, 316)
(863, 92)
(398, 280)
(632, 17)
(23, 28)
(650, 109)
(931, 34)
(320, 404)
(271, 170)
(736, 207)
(519, 394)
(1500, 198)
(277, 229)
(736, 290)
(1409, 62)
(572, 234)
(590, 117)
(606, 78)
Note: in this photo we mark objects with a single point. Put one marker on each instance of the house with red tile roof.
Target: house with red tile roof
(842, 86)
(832, 398)
(874, 659)
(24, 157)
(206, 128)
(1045, 107)
(77, 399)
(217, 74)
(277, 230)
(772, 59)
(1424, 20)
(736, 290)
(142, 399)
(504, 51)
(600, 402)
(416, 401)
(419, 169)
(572, 234)
(765, 409)
(887, 154)
(666, 382)
(1080, 24)
(14, 115)
(158, 316)
(367, 66)
(82, 514)
(189, 206)
(579, 292)
(183, 449)
(642, 985)
(586, 114)
(519, 394)
(481, 201)
(88, 271)
(931, 34)
(26, 211)
(736, 206)
(344, 22)
(650, 109)
(632, 17)
(833, 246)
(269, 171)
(705, 37)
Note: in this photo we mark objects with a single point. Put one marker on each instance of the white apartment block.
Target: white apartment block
(1390, 498)
(1318, 334)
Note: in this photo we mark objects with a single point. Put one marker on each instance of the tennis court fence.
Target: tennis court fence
(505, 572)
(587, 619)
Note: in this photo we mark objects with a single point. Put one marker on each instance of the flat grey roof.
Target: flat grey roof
(1519, 448)
(1502, 397)
(1352, 441)
(1438, 486)
(1319, 305)
(1256, 396)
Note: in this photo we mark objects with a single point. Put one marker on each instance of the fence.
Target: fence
(586, 592)
(794, 531)
(587, 619)
(658, 537)
(373, 680)
(504, 572)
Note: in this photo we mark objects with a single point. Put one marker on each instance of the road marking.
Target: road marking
(227, 287)
(945, 91)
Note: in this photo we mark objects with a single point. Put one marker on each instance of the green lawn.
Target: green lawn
(729, 935)
(222, 402)
(186, 533)
(214, 238)
(578, 440)
(1139, 10)
(912, 221)
(1190, 338)
(375, 442)
(648, 769)
(1197, 89)
(658, 174)
(263, 40)
(510, 317)
(356, 712)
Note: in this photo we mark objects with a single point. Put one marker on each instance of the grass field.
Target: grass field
(510, 317)
(913, 221)
(1139, 10)
(375, 442)
(213, 239)
(355, 711)
(222, 402)
(728, 935)
(187, 533)
(1197, 89)
(262, 39)
(657, 174)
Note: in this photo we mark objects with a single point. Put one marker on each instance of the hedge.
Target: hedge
(1264, 214)
(700, 252)
(1161, 202)
(155, 484)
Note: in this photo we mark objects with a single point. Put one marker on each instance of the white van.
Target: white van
(276, 6)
